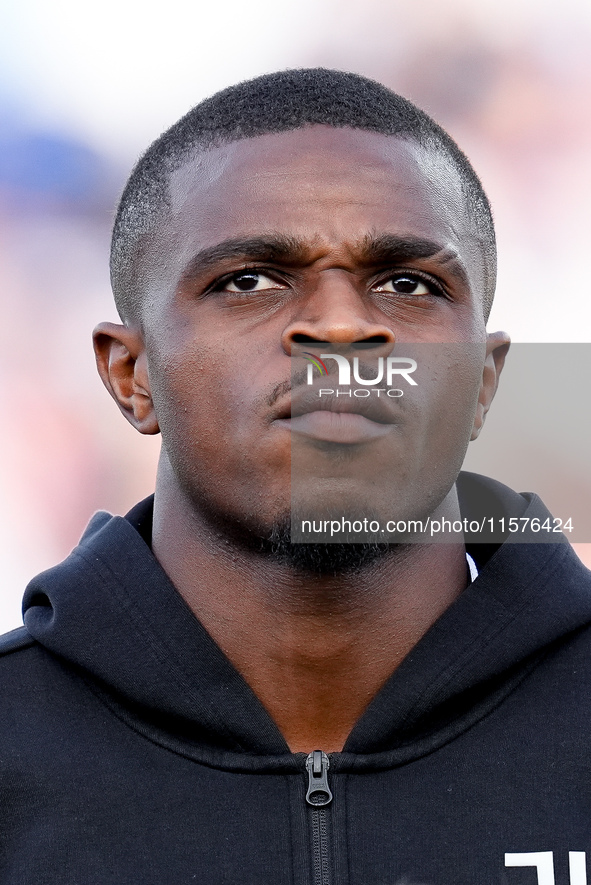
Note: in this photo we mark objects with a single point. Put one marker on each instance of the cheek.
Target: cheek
(192, 399)
(211, 414)
(449, 388)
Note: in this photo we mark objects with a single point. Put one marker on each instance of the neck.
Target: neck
(315, 649)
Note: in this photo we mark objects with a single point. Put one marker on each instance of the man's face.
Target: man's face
(313, 240)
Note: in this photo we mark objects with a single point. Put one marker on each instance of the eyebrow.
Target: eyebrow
(383, 249)
(277, 247)
(391, 249)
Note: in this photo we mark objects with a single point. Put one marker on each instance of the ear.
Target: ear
(497, 345)
(122, 364)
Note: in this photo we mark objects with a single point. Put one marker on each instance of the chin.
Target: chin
(274, 541)
(330, 559)
(271, 536)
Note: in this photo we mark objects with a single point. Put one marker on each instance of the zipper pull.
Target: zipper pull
(317, 765)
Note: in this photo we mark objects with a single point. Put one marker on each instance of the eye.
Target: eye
(248, 281)
(405, 284)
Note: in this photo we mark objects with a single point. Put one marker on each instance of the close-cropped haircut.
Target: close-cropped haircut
(272, 103)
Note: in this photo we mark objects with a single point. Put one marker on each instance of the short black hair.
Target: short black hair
(278, 102)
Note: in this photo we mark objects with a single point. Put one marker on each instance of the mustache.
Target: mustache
(298, 379)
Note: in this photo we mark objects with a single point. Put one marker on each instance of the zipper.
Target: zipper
(319, 797)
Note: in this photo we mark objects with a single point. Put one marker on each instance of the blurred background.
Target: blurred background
(84, 87)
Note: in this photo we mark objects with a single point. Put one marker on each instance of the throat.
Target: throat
(317, 649)
(316, 696)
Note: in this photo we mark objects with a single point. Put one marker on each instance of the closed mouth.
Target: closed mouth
(338, 417)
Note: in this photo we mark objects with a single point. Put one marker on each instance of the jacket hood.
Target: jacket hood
(110, 612)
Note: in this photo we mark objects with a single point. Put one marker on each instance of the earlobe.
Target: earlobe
(497, 345)
(122, 364)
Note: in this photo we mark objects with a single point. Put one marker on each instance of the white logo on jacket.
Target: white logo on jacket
(543, 861)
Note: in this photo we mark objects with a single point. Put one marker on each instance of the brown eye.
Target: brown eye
(249, 281)
(404, 285)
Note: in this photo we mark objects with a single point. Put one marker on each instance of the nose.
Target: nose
(335, 313)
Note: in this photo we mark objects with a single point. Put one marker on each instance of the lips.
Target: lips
(344, 419)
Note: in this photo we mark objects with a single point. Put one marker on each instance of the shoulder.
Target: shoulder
(21, 657)
(15, 640)
(22, 662)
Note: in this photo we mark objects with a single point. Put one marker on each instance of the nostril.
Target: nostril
(299, 338)
(375, 340)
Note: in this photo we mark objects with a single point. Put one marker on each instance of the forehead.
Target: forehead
(332, 187)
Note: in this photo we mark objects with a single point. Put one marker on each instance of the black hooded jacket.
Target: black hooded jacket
(133, 753)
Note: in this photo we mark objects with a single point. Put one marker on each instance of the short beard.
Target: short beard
(275, 543)
(320, 560)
